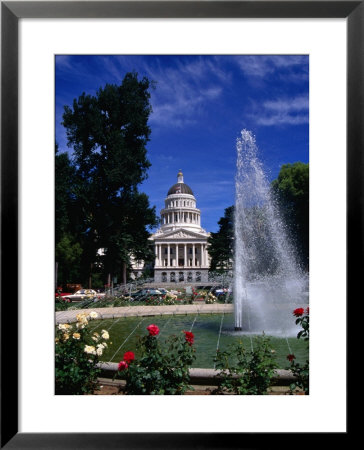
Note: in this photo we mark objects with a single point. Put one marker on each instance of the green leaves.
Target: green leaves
(246, 372)
(292, 192)
(161, 370)
(301, 372)
(108, 133)
(221, 243)
(75, 369)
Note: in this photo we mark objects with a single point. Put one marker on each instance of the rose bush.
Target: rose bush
(210, 298)
(301, 372)
(77, 353)
(161, 370)
(246, 372)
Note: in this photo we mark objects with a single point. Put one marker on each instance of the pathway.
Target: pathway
(128, 311)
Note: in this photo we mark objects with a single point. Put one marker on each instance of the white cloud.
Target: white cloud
(183, 93)
(264, 65)
(283, 111)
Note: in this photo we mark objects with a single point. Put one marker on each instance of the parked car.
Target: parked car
(162, 291)
(220, 291)
(142, 293)
(82, 294)
(60, 295)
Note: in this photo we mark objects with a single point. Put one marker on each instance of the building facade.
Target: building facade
(181, 254)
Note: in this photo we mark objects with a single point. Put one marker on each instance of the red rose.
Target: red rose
(298, 312)
(189, 337)
(122, 365)
(307, 310)
(291, 357)
(129, 357)
(153, 330)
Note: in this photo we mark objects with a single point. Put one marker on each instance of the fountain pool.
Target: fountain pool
(212, 332)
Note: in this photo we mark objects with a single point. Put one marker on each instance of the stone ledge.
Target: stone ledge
(140, 311)
(209, 377)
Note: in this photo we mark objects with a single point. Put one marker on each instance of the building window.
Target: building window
(189, 277)
(190, 250)
(181, 276)
(173, 277)
(198, 276)
(164, 277)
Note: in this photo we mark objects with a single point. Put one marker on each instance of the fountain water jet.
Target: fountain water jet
(268, 282)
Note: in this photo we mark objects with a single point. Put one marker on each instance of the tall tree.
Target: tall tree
(221, 243)
(292, 192)
(67, 239)
(64, 193)
(108, 133)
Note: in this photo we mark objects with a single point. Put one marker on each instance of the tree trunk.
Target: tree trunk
(123, 274)
(90, 278)
(56, 276)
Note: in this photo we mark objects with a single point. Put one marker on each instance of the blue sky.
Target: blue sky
(200, 105)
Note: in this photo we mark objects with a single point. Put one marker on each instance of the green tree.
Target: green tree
(68, 257)
(221, 243)
(64, 193)
(67, 226)
(292, 192)
(108, 133)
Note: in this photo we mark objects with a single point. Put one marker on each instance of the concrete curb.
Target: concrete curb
(143, 311)
(282, 377)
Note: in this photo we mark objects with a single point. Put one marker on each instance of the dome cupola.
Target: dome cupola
(180, 187)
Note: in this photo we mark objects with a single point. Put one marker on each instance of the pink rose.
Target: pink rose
(122, 365)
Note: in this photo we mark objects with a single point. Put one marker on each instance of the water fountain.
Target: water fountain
(268, 283)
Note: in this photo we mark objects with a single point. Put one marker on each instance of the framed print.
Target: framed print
(330, 35)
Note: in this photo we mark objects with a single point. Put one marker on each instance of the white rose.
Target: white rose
(105, 334)
(90, 349)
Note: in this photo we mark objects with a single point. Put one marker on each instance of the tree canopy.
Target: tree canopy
(221, 243)
(108, 133)
(292, 192)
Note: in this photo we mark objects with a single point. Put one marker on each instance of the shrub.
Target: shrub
(61, 304)
(210, 298)
(246, 372)
(170, 299)
(77, 353)
(301, 372)
(154, 300)
(161, 370)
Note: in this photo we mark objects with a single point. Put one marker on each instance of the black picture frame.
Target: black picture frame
(11, 12)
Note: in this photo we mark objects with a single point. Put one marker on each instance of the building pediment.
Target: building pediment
(180, 233)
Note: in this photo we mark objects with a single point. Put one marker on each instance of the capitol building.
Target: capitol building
(180, 243)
